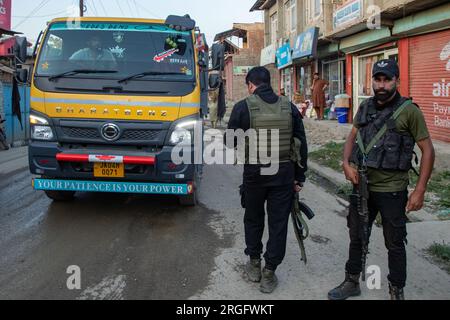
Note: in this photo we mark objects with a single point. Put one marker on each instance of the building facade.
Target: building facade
(243, 46)
(349, 36)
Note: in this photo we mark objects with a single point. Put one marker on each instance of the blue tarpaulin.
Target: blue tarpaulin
(13, 129)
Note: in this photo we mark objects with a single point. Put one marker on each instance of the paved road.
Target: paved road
(141, 247)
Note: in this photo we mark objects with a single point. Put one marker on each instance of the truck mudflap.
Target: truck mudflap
(112, 187)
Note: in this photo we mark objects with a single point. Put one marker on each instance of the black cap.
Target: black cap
(388, 67)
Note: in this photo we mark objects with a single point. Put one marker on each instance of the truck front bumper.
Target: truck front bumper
(50, 160)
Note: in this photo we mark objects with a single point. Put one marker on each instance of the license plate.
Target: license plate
(109, 170)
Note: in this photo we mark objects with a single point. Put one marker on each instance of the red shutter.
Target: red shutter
(430, 80)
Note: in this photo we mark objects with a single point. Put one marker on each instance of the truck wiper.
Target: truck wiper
(148, 73)
(77, 71)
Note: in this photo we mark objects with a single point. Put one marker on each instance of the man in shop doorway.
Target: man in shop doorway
(318, 94)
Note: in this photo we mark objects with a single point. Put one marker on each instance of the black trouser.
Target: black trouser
(392, 207)
(279, 204)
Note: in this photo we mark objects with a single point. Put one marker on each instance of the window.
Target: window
(317, 8)
(273, 28)
(313, 9)
(293, 11)
(334, 73)
(287, 17)
(290, 12)
(123, 49)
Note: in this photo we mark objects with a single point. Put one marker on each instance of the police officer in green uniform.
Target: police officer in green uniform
(266, 110)
(388, 163)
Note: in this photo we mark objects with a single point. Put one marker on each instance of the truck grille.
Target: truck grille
(81, 133)
(127, 135)
(140, 135)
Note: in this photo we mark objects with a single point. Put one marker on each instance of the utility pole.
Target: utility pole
(81, 8)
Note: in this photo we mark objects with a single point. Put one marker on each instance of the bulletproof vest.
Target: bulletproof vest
(394, 150)
(268, 116)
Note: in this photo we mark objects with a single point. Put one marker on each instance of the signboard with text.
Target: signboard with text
(268, 55)
(284, 56)
(347, 13)
(306, 44)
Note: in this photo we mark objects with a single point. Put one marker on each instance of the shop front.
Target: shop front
(333, 70)
(303, 56)
(429, 80)
(362, 71)
(284, 64)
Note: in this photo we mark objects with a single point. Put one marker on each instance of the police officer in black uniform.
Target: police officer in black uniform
(388, 162)
(265, 110)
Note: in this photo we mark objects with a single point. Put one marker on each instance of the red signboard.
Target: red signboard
(5, 14)
(430, 80)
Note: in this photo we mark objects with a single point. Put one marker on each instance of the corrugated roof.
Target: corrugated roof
(8, 32)
(235, 32)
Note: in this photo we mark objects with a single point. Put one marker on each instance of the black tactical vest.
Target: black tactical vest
(394, 151)
(265, 116)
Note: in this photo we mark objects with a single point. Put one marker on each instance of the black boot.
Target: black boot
(253, 270)
(269, 281)
(348, 288)
(396, 292)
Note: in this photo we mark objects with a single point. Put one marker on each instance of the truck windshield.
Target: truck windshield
(125, 49)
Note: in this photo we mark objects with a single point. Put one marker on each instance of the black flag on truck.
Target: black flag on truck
(16, 102)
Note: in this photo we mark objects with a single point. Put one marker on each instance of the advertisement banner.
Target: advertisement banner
(284, 56)
(5, 14)
(306, 44)
(268, 55)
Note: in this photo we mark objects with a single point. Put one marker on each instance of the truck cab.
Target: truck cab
(110, 100)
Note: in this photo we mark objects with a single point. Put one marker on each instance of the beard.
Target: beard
(384, 95)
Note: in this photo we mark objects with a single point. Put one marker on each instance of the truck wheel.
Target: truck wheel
(189, 200)
(192, 199)
(60, 195)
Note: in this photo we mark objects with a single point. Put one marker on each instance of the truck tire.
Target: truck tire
(60, 196)
(189, 200)
(192, 199)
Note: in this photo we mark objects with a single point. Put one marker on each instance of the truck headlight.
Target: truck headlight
(42, 133)
(181, 136)
(183, 133)
(40, 128)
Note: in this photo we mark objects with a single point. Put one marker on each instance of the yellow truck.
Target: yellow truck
(110, 100)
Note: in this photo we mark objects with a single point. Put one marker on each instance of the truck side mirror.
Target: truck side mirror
(22, 75)
(20, 49)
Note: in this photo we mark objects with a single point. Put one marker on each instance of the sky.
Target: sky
(31, 16)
